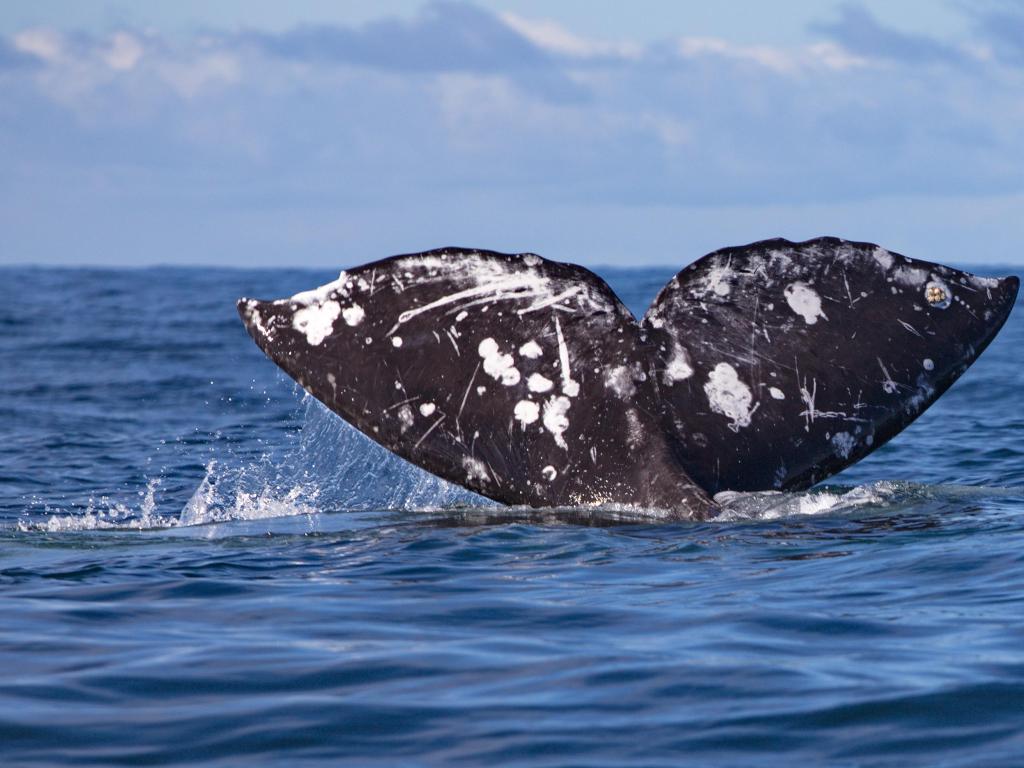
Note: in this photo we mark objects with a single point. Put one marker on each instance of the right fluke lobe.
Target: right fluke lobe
(782, 363)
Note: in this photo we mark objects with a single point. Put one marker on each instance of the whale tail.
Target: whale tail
(772, 365)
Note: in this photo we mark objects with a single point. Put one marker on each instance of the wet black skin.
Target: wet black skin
(640, 429)
(432, 401)
(878, 355)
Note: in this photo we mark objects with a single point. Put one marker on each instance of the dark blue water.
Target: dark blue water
(198, 566)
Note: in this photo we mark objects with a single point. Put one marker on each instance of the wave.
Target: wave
(221, 499)
(330, 468)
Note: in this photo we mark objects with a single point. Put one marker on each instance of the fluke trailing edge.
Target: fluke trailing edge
(766, 366)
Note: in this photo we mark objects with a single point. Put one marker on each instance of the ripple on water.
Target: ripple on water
(198, 567)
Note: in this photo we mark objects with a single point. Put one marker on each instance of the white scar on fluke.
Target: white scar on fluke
(354, 315)
(497, 365)
(527, 412)
(804, 301)
(569, 387)
(729, 396)
(556, 420)
(719, 279)
(322, 293)
(539, 383)
(678, 366)
(316, 321)
(531, 349)
(495, 287)
(620, 381)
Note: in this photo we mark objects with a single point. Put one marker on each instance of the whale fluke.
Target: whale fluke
(767, 366)
(782, 363)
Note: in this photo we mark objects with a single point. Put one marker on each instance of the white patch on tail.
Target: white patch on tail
(729, 396)
(804, 301)
(316, 321)
(497, 365)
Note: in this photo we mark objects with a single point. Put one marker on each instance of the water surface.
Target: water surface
(198, 565)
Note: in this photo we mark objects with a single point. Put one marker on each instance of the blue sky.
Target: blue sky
(326, 134)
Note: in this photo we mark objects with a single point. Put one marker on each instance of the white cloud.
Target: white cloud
(337, 120)
(78, 68)
(834, 56)
(189, 76)
(766, 56)
(123, 52)
(45, 43)
(553, 37)
(785, 61)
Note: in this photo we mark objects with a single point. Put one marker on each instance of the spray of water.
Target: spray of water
(326, 467)
(329, 467)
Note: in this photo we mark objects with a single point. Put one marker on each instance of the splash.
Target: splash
(326, 466)
(106, 514)
(773, 505)
(890, 495)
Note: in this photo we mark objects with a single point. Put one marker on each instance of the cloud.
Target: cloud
(556, 39)
(445, 37)
(1003, 27)
(44, 44)
(461, 110)
(859, 31)
(12, 58)
(765, 56)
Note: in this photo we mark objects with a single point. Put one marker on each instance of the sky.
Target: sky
(326, 134)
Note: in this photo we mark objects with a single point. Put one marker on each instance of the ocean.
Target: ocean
(201, 566)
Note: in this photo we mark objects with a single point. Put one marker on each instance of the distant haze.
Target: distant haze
(326, 134)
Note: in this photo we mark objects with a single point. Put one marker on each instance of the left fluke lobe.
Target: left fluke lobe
(522, 379)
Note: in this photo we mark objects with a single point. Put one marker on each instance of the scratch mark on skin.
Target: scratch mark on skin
(402, 402)
(511, 284)
(429, 430)
(910, 328)
(569, 387)
(888, 385)
(753, 336)
(810, 413)
(553, 300)
(489, 301)
(968, 310)
(401, 381)
(451, 338)
(859, 403)
(465, 396)
(373, 282)
(745, 360)
(849, 294)
(495, 475)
